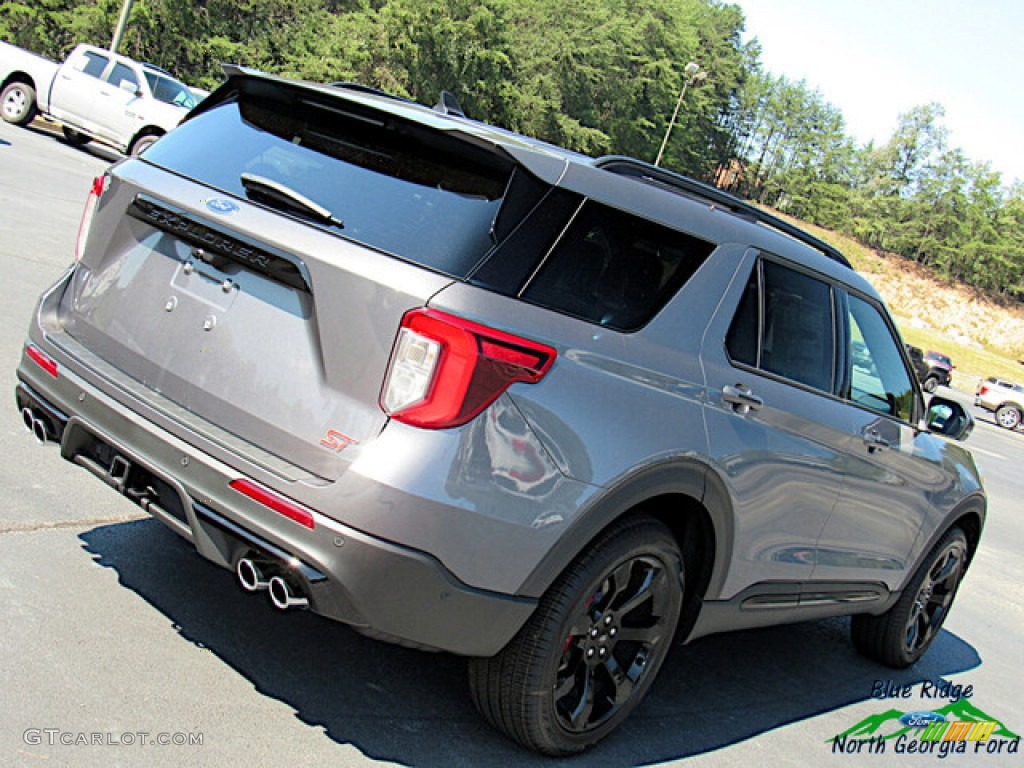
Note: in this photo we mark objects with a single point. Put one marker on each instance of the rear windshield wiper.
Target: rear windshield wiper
(284, 195)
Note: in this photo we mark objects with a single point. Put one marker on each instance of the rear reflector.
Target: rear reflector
(445, 370)
(99, 186)
(41, 359)
(280, 504)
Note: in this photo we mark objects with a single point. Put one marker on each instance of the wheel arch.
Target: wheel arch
(20, 76)
(686, 497)
(968, 516)
(148, 130)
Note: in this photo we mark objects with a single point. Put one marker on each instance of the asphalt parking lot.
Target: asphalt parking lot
(122, 647)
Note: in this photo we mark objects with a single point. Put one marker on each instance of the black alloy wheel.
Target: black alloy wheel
(901, 635)
(606, 652)
(586, 658)
(934, 597)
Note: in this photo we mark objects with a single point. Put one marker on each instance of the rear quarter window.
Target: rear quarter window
(615, 269)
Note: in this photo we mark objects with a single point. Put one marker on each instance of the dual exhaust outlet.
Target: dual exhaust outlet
(255, 575)
(38, 425)
(259, 576)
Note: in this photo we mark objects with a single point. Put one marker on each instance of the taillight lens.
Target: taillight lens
(99, 186)
(445, 370)
(983, 390)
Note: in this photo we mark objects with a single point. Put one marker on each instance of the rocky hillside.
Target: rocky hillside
(921, 301)
(952, 311)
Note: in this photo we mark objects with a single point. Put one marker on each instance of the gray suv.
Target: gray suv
(463, 390)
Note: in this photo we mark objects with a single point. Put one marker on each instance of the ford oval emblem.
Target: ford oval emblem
(921, 719)
(222, 206)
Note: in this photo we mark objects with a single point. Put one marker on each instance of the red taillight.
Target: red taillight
(445, 370)
(983, 390)
(99, 186)
(41, 359)
(280, 504)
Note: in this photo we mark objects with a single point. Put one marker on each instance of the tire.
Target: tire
(585, 659)
(930, 384)
(74, 138)
(141, 143)
(18, 103)
(901, 635)
(1008, 416)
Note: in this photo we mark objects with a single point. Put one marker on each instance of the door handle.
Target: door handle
(874, 441)
(741, 399)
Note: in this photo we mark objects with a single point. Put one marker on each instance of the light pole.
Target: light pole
(694, 74)
(122, 20)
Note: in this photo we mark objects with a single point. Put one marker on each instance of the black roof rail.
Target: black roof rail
(630, 166)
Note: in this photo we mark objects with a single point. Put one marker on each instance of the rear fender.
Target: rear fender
(678, 477)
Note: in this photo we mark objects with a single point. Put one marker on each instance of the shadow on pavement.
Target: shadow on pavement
(46, 128)
(413, 708)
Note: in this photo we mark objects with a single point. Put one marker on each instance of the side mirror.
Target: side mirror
(948, 418)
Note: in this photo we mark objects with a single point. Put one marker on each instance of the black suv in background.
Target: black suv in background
(466, 391)
(940, 371)
(933, 369)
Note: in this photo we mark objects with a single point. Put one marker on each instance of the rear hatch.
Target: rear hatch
(254, 267)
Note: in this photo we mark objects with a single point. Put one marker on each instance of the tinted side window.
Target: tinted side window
(169, 91)
(122, 74)
(615, 269)
(91, 63)
(878, 377)
(784, 325)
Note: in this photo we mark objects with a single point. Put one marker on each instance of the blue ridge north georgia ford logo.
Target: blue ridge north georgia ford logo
(957, 727)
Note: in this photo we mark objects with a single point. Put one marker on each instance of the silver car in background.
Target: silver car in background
(1003, 398)
(465, 391)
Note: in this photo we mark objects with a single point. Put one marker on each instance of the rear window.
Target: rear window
(615, 269)
(397, 186)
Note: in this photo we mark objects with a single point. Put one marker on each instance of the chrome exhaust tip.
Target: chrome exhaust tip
(251, 575)
(27, 418)
(40, 431)
(283, 595)
(37, 426)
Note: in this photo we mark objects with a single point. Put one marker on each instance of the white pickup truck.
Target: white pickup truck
(94, 94)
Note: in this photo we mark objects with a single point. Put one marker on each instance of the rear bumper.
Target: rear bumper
(384, 589)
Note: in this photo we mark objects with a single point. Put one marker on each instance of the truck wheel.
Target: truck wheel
(901, 635)
(931, 384)
(587, 656)
(74, 138)
(18, 103)
(1008, 416)
(141, 143)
